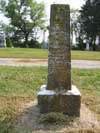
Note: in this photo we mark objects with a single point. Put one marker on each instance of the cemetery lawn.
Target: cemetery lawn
(43, 54)
(19, 86)
(85, 55)
(23, 53)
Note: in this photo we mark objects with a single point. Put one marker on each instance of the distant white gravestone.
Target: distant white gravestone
(2, 40)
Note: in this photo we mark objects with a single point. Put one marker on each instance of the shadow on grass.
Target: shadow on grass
(29, 123)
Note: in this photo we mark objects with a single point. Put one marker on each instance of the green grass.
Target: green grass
(23, 53)
(88, 81)
(43, 54)
(85, 55)
(19, 85)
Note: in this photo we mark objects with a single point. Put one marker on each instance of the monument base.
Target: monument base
(67, 103)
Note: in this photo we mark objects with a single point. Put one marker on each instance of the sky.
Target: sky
(73, 4)
(76, 4)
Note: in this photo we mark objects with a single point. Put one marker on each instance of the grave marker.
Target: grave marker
(59, 95)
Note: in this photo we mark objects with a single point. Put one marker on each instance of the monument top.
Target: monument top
(59, 5)
(60, 15)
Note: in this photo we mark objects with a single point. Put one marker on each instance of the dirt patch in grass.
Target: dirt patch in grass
(93, 103)
(28, 62)
(29, 122)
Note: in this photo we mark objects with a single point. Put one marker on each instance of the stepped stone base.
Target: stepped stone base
(67, 103)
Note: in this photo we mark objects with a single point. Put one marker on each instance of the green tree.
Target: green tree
(26, 16)
(96, 4)
(9, 42)
(90, 21)
(76, 30)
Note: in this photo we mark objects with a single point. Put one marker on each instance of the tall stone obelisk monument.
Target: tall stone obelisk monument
(59, 95)
(59, 61)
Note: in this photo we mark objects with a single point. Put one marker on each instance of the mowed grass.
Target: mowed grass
(85, 55)
(23, 53)
(43, 54)
(19, 86)
(88, 82)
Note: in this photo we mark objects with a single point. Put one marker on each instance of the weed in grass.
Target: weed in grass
(55, 118)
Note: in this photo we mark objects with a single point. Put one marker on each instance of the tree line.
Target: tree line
(86, 26)
(26, 18)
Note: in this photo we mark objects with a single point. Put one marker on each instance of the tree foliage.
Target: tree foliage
(90, 21)
(76, 31)
(26, 16)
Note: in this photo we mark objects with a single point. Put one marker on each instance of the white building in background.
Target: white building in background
(2, 40)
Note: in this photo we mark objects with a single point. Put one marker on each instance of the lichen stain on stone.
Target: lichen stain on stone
(59, 18)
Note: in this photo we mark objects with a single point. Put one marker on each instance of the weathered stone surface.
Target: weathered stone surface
(67, 103)
(59, 66)
(58, 96)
